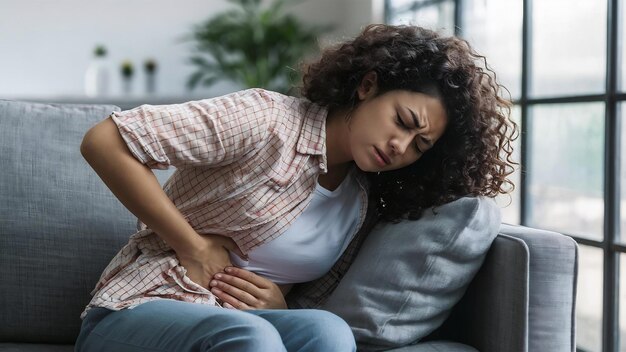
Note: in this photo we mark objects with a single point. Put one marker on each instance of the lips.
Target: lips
(383, 156)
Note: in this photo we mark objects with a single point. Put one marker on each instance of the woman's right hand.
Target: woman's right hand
(211, 258)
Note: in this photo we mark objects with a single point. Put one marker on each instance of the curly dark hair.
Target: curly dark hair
(472, 158)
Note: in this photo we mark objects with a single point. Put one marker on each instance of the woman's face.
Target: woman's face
(394, 129)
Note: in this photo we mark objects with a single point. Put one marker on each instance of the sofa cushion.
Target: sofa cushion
(59, 224)
(408, 276)
(31, 347)
(435, 346)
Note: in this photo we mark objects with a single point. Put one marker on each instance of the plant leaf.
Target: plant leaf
(193, 80)
(251, 45)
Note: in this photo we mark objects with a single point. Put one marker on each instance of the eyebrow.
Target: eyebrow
(426, 140)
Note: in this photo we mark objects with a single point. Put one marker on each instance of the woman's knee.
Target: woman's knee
(240, 332)
(329, 331)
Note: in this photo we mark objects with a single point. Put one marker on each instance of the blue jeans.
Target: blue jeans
(169, 325)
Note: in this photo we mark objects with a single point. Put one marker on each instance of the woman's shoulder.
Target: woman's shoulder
(270, 106)
(280, 99)
(282, 107)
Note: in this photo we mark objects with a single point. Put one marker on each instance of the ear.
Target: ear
(368, 86)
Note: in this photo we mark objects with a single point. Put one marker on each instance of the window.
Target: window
(566, 149)
(563, 64)
(437, 15)
(568, 58)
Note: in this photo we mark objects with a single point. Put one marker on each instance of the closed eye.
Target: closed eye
(428, 142)
(401, 123)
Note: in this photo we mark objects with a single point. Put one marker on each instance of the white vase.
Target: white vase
(150, 83)
(127, 85)
(97, 78)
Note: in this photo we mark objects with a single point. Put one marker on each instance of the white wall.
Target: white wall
(46, 46)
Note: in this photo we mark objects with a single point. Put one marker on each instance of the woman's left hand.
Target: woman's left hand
(242, 289)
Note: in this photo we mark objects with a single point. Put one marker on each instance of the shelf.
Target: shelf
(124, 103)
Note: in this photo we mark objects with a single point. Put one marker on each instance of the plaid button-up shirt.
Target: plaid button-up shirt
(246, 166)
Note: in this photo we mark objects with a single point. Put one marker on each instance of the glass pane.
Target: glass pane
(621, 110)
(494, 29)
(402, 4)
(510, 203)
(568, 47)
(589, 299)
(438, 17)
(622, 302)
(566, 174)
(622, 39)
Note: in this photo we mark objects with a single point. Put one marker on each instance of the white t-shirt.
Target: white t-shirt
(317, 238)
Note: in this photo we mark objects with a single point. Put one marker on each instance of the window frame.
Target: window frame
(612, 97)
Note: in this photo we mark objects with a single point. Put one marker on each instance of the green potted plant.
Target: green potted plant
(251, 45)
(150, 67)
(97, 74)
(127, 70)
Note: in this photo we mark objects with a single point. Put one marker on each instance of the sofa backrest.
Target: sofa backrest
(59, 224)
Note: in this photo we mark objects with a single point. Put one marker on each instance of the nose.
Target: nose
(400, 144)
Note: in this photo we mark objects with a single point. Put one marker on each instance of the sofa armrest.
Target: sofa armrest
(523, 297)
(552, 290)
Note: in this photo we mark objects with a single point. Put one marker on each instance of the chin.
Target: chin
(366, 167)
(369, 166)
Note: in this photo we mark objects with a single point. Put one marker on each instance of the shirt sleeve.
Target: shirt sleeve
(209, 132)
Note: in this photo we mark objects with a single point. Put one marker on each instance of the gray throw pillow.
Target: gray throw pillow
(408, 276)
(57, 220)
(59, 224)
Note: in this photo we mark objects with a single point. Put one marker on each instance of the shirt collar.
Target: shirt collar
(312, 139)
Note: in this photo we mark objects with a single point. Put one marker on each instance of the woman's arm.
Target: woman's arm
(135, 185)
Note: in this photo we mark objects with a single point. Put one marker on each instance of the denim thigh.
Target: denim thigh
(169, 325)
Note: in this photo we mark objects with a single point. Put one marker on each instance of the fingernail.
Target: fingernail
(228, 269)
(218, 276)
(213, 282)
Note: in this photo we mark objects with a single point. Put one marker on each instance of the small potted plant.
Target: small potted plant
(127, 71)
(97, 74)
(100, 51)
(150, 67)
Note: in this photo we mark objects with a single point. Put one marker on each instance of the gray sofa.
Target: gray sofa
(60, 226)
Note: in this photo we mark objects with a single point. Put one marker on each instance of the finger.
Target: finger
(229, 301)
(249, 276)
(233, 291)
(240, 283)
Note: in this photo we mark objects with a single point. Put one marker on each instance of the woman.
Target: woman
(270, 190)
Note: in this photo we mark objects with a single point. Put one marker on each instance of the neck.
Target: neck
(338, 154)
